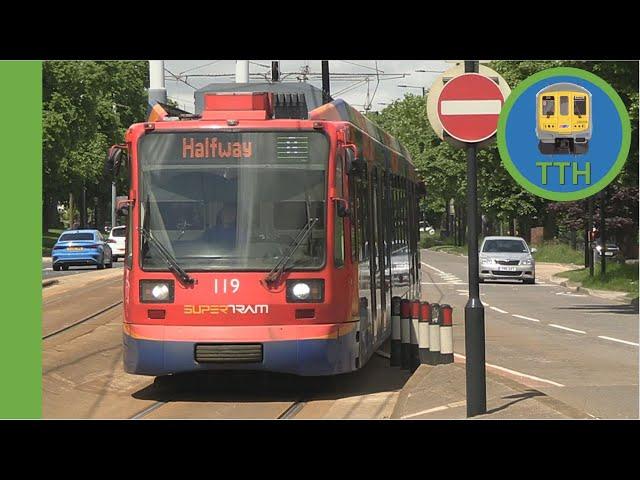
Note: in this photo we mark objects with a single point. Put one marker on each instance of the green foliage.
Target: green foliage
(618, 277)
(87, 106)
(49, 239)
(443, 167)
(556, 252)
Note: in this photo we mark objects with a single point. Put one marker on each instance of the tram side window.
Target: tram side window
(128, 258)
(338, 236)
(355, 218)
(363, 221)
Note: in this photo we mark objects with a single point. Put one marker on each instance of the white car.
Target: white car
(425, 227)
(116, 241)
(507, 257)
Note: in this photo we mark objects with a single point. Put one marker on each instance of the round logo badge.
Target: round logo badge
(564, 134)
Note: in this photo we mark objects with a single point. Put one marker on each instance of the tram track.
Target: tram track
(287, 414)
(83, 320)
(292, 411)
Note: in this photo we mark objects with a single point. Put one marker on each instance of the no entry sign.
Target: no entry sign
(469, 106)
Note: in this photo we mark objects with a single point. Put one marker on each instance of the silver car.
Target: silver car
(507, 257)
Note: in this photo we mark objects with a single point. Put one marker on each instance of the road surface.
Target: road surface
(48, 272)
(578, 348)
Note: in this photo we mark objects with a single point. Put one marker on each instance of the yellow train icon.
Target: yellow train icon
(563, 119)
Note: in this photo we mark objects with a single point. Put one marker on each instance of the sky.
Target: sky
(182, 77)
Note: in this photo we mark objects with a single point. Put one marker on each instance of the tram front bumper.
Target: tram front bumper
(312, 350)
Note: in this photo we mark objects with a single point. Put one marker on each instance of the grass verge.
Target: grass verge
(558, 253)
(618, 277)
(49, 239)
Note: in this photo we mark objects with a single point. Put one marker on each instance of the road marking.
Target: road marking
(618, 340)
(436, 409)
(498, 309)
(514, 372)
(525, 318)
(433, 268)
(463, 291)
(567, 294)
(443, 283)
(566, 328)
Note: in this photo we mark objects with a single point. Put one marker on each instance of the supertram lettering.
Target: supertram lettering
(224, 309)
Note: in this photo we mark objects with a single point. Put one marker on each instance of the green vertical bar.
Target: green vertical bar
(21, 190)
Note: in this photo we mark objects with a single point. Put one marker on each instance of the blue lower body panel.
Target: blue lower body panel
(308, 357)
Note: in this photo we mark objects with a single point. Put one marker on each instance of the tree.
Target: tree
(502, 200)
(87, 107)
(441, 166)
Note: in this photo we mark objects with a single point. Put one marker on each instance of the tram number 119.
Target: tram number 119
(224, 285)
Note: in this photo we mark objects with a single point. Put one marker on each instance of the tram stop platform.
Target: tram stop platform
(439, 392)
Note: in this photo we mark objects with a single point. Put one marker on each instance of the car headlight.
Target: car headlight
(599, 248)
(156, 291)
(526, 261)
(487, 260)
(305, 291)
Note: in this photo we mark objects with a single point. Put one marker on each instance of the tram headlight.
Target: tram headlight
(156, 291)
(305, 291)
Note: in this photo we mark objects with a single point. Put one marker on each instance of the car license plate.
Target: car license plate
(75, 248)
(508, 269)
(608, 254)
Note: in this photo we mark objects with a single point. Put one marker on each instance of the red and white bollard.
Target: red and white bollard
(446, 334)
(423, 332)
(405, 333)
(414, 350)
(434, 335)
(395, 332)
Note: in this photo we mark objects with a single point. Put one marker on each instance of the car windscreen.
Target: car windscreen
(504, 246)
(119, 232)
(68, 237)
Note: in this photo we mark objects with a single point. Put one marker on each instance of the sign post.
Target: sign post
(474, 310)
(463, 107)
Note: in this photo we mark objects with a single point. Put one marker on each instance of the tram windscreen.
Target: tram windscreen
(233, 200)
(548, 105)
(579, 105)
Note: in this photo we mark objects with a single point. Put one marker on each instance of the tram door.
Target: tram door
(377, 255)
(367, 299)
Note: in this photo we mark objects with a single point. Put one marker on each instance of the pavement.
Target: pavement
(577, 349)
(439, 392)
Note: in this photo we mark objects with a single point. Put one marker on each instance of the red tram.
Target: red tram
(262, 236)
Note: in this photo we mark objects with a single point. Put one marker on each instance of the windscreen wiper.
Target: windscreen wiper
(273, 277)
(173, 265)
